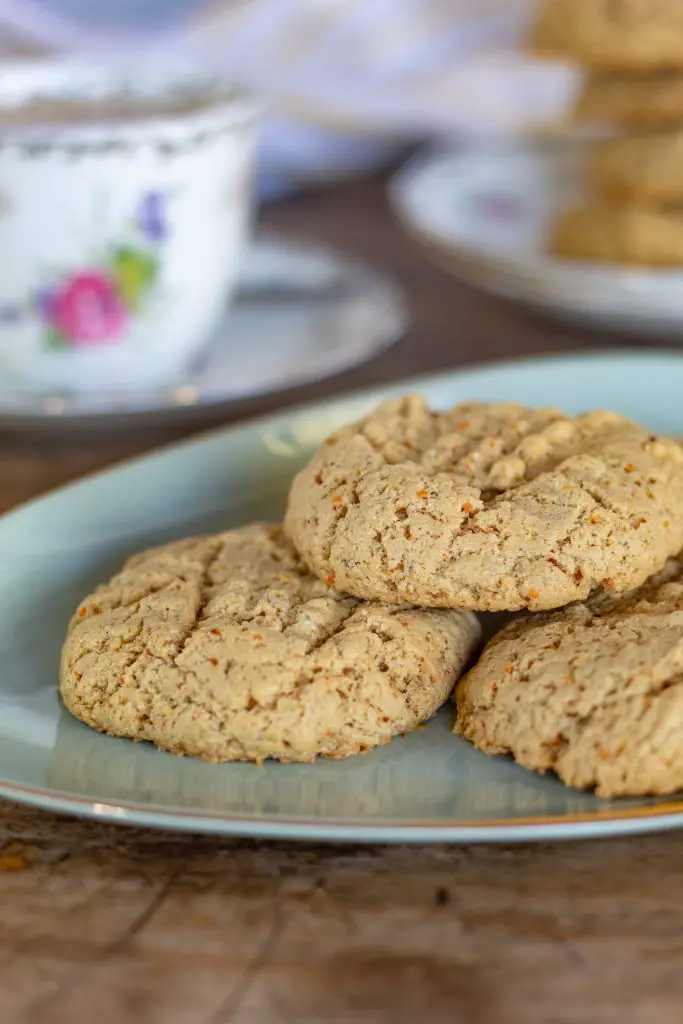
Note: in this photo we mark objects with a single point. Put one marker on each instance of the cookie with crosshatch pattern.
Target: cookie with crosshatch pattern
(622, 234)
(641, 169)
(226, 648)
(593, 692)
(647, 101)
(618, 35)
(487, 507)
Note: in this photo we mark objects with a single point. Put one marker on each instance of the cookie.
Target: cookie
(635, 101)
(616, 35)
(487, 507)
(603, 232)
(593, 692)
(226, 648)
(642, 169)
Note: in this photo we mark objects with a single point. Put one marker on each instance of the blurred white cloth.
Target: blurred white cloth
(345, 80)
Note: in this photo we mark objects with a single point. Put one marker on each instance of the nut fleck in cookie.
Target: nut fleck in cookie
(226, 648)
(646, 169)
(488, 507)
(593, 692)
(604, 232)
(619, 35)
(636, 101)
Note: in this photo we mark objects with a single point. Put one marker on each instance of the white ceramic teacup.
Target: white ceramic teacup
(125, 203)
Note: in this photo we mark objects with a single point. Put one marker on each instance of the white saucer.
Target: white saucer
(485, 213)
(303, 313)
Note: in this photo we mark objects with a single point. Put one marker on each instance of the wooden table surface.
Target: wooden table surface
(111, 925)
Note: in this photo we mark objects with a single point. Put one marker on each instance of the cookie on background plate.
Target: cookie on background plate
(488, 507)
(636, 101)
(225, 648)
(619, 35)
(644, 169)
(593, 692)
(602, 232)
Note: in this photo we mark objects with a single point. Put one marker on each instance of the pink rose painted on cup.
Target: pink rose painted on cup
(95, 306)
(87, 310)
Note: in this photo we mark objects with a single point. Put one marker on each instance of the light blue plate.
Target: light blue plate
(428, 787)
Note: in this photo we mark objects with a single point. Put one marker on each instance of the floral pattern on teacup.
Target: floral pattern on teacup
(93, 305)
(85, 309)
(497, 207)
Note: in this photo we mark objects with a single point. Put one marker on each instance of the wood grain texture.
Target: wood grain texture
(115, 925)
(110, 925)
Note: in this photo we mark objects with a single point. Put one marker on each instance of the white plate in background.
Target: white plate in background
(485, 213)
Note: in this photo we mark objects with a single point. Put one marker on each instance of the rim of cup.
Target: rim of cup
(212, 98)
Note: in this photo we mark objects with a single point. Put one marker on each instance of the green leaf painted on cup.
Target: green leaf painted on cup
(134, 273)
(54, 340)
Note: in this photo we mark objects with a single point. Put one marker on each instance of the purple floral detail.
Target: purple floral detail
(498, 207)
(45, 302)
(151, 217)
(11, 313)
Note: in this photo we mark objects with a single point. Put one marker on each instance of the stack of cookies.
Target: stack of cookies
(355, 621)
(632, 51)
